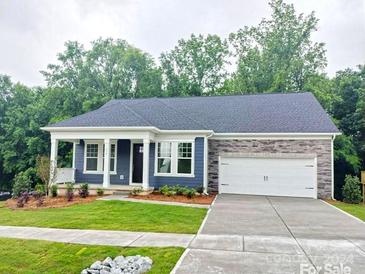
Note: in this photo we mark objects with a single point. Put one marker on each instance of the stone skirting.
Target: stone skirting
(320, 148)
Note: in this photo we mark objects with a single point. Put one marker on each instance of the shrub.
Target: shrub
(190, 193)
(70, 191)
(84, 190)
(54, 190)
(200, 189)
(22, 184)
(164, 189)
(23, 198)
(39, 197)
(136, 190)
(40, 188)
(351, 191)
(179, 190)
(100, 191)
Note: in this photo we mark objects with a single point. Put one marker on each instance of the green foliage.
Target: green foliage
(190, 193)
(178, 190)
(40, 188)
(352, 190)
(164, 189)
(22, 183)
(196, 66)
(84, 190)
(278, 55)
(136, 190)
(100, 191)
(54, 190)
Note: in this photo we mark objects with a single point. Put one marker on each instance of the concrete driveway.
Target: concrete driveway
(258, 234)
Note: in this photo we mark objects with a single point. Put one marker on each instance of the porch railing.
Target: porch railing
(65, 175)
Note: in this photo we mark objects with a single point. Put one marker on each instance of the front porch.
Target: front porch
(146, 158)
(128, 159)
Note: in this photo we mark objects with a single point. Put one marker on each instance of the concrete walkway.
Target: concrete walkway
(97, 237)
(127, 199)
(258, 234)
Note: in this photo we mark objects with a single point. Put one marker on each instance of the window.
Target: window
(112, 157)
(164, 157)
(184, 157)
(91, 157)
(175, 158)
(94, 157)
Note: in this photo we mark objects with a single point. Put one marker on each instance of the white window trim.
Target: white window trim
(174, 159)
(100, 144)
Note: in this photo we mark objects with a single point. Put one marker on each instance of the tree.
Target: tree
(278, 55)
(111, 69)
(196, 66)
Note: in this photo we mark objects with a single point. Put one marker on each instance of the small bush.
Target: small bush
(40, 188)
(136, 190)
(39, 197)
(100, 191)
(190, 193)
(351, 191)
(23, 198)
(54, 190)
(84, 190)
(22, 184)
(179, 190)
(70, 191)
(164, 189)
(200, 189)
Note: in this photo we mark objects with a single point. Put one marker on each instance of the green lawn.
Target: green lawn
(353, 209)
(110, 215)
(32, 256)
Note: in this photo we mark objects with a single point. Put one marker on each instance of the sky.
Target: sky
(32, 32)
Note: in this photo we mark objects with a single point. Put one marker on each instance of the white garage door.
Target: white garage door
(268, 176)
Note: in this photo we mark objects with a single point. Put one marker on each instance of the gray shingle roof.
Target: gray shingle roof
(259, 113)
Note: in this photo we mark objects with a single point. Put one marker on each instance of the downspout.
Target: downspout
(332, 168)
(206, 160)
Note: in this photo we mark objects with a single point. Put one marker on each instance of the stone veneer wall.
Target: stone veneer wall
(322, 148)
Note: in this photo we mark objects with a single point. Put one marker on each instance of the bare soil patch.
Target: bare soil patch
(50, 202)
(202, 199)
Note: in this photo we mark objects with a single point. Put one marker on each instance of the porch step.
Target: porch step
(121, 192)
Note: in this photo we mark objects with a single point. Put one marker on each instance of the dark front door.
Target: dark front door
(137, 163)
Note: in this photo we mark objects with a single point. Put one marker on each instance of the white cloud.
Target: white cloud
(32, 32)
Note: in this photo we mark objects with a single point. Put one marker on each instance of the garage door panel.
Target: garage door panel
(268, 176)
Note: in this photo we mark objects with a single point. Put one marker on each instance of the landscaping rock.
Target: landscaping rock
(120, 265)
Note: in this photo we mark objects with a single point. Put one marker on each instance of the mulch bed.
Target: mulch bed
(203, 199)
(50, 202)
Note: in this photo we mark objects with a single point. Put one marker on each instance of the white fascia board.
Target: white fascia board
(152, 129)
(272, 136)
(83, 129)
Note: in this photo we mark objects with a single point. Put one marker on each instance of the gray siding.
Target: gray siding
(123, 163)
(322, 148)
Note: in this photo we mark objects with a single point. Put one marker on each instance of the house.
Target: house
(267, 144)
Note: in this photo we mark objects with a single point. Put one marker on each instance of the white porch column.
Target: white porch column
(106, 178)
(146, 163)
(53, 160)
(73, 160)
